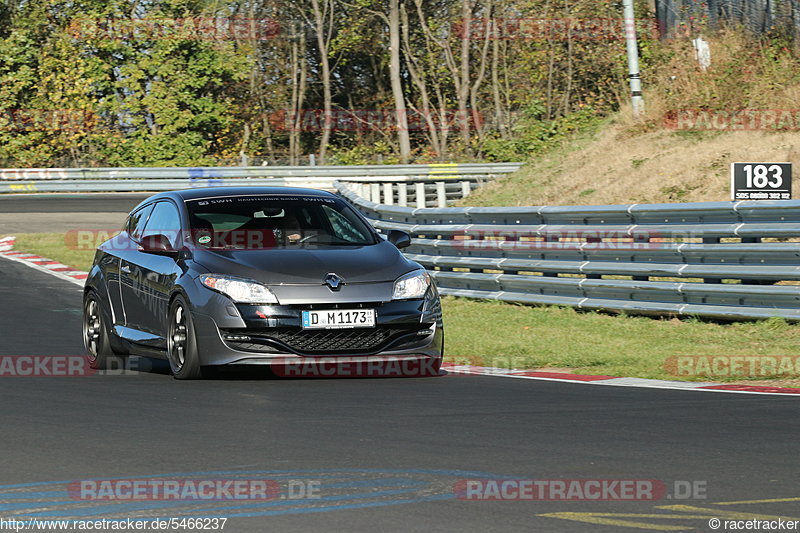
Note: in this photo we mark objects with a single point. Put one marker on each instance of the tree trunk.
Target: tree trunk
(463, 85)
(403, 137)
(321, 13)
(417, 78)
(474, 89)
(499, 114)
(299, 78)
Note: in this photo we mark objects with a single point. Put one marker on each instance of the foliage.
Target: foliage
(536, 134)
(74, 92)
(362, 154)
(121, 82)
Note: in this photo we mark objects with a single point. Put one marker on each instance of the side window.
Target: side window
(166, 221)
(136, 222)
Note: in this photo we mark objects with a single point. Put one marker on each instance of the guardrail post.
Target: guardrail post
(711, 240)
(375, 192)
(466, 189)
(551, 237)
(594, 240)
(388, 194)
(402, 194)
(420, 194)
(441, 194)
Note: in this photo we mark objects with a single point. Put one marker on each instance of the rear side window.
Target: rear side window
(165, 220)
(136, 222)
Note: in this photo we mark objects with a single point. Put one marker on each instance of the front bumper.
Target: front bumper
(406, 332)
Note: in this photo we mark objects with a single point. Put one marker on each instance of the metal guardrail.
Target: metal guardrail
(419, 192)
(170, 178)
(715, 259)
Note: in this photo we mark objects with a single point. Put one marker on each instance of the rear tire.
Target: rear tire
(182, 342)
(95, 333)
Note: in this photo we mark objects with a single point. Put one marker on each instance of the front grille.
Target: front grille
(351, 341)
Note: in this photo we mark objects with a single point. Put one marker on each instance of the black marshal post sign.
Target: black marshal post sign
(761, 181)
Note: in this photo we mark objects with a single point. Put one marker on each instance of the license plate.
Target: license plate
(339, 318)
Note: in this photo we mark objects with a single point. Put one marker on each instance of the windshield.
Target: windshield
(273, 221)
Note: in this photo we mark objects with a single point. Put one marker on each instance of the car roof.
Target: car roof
(217, 192)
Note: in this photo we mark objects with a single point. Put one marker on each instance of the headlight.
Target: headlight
(239, 290)
(412, 285)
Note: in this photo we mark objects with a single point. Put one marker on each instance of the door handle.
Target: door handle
(125, 269)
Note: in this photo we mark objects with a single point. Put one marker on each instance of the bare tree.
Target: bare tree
(417, 73)
(323, 24)
(403, 137)
(299, 79)
(391, 16)
(480, 76)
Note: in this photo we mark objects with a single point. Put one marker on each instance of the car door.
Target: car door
(126, 253)
(109, 262)
(153, 276)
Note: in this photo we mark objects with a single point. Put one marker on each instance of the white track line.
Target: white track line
(624, 382)
(41, 268)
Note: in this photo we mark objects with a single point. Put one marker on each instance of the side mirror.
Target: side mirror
(399, 238)
(157, 245)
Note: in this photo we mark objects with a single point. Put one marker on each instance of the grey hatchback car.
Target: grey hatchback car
(291, 278)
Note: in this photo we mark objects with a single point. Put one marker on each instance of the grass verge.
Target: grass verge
(54, 246)
(606, 344)
(515, 336)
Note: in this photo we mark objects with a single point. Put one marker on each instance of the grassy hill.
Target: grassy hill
(613, 166)
(656, 158)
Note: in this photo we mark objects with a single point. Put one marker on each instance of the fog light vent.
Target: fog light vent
(236, 338)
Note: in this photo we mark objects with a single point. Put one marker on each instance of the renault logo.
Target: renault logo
(333, 281)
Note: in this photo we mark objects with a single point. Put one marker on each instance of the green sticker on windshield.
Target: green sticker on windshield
(205, 239)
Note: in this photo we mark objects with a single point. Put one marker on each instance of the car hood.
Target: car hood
(309, 265)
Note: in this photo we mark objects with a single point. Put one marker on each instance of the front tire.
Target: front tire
(182, 342)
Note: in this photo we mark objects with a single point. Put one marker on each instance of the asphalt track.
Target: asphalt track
(70, 203)
(383, 454)
(40, 213)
